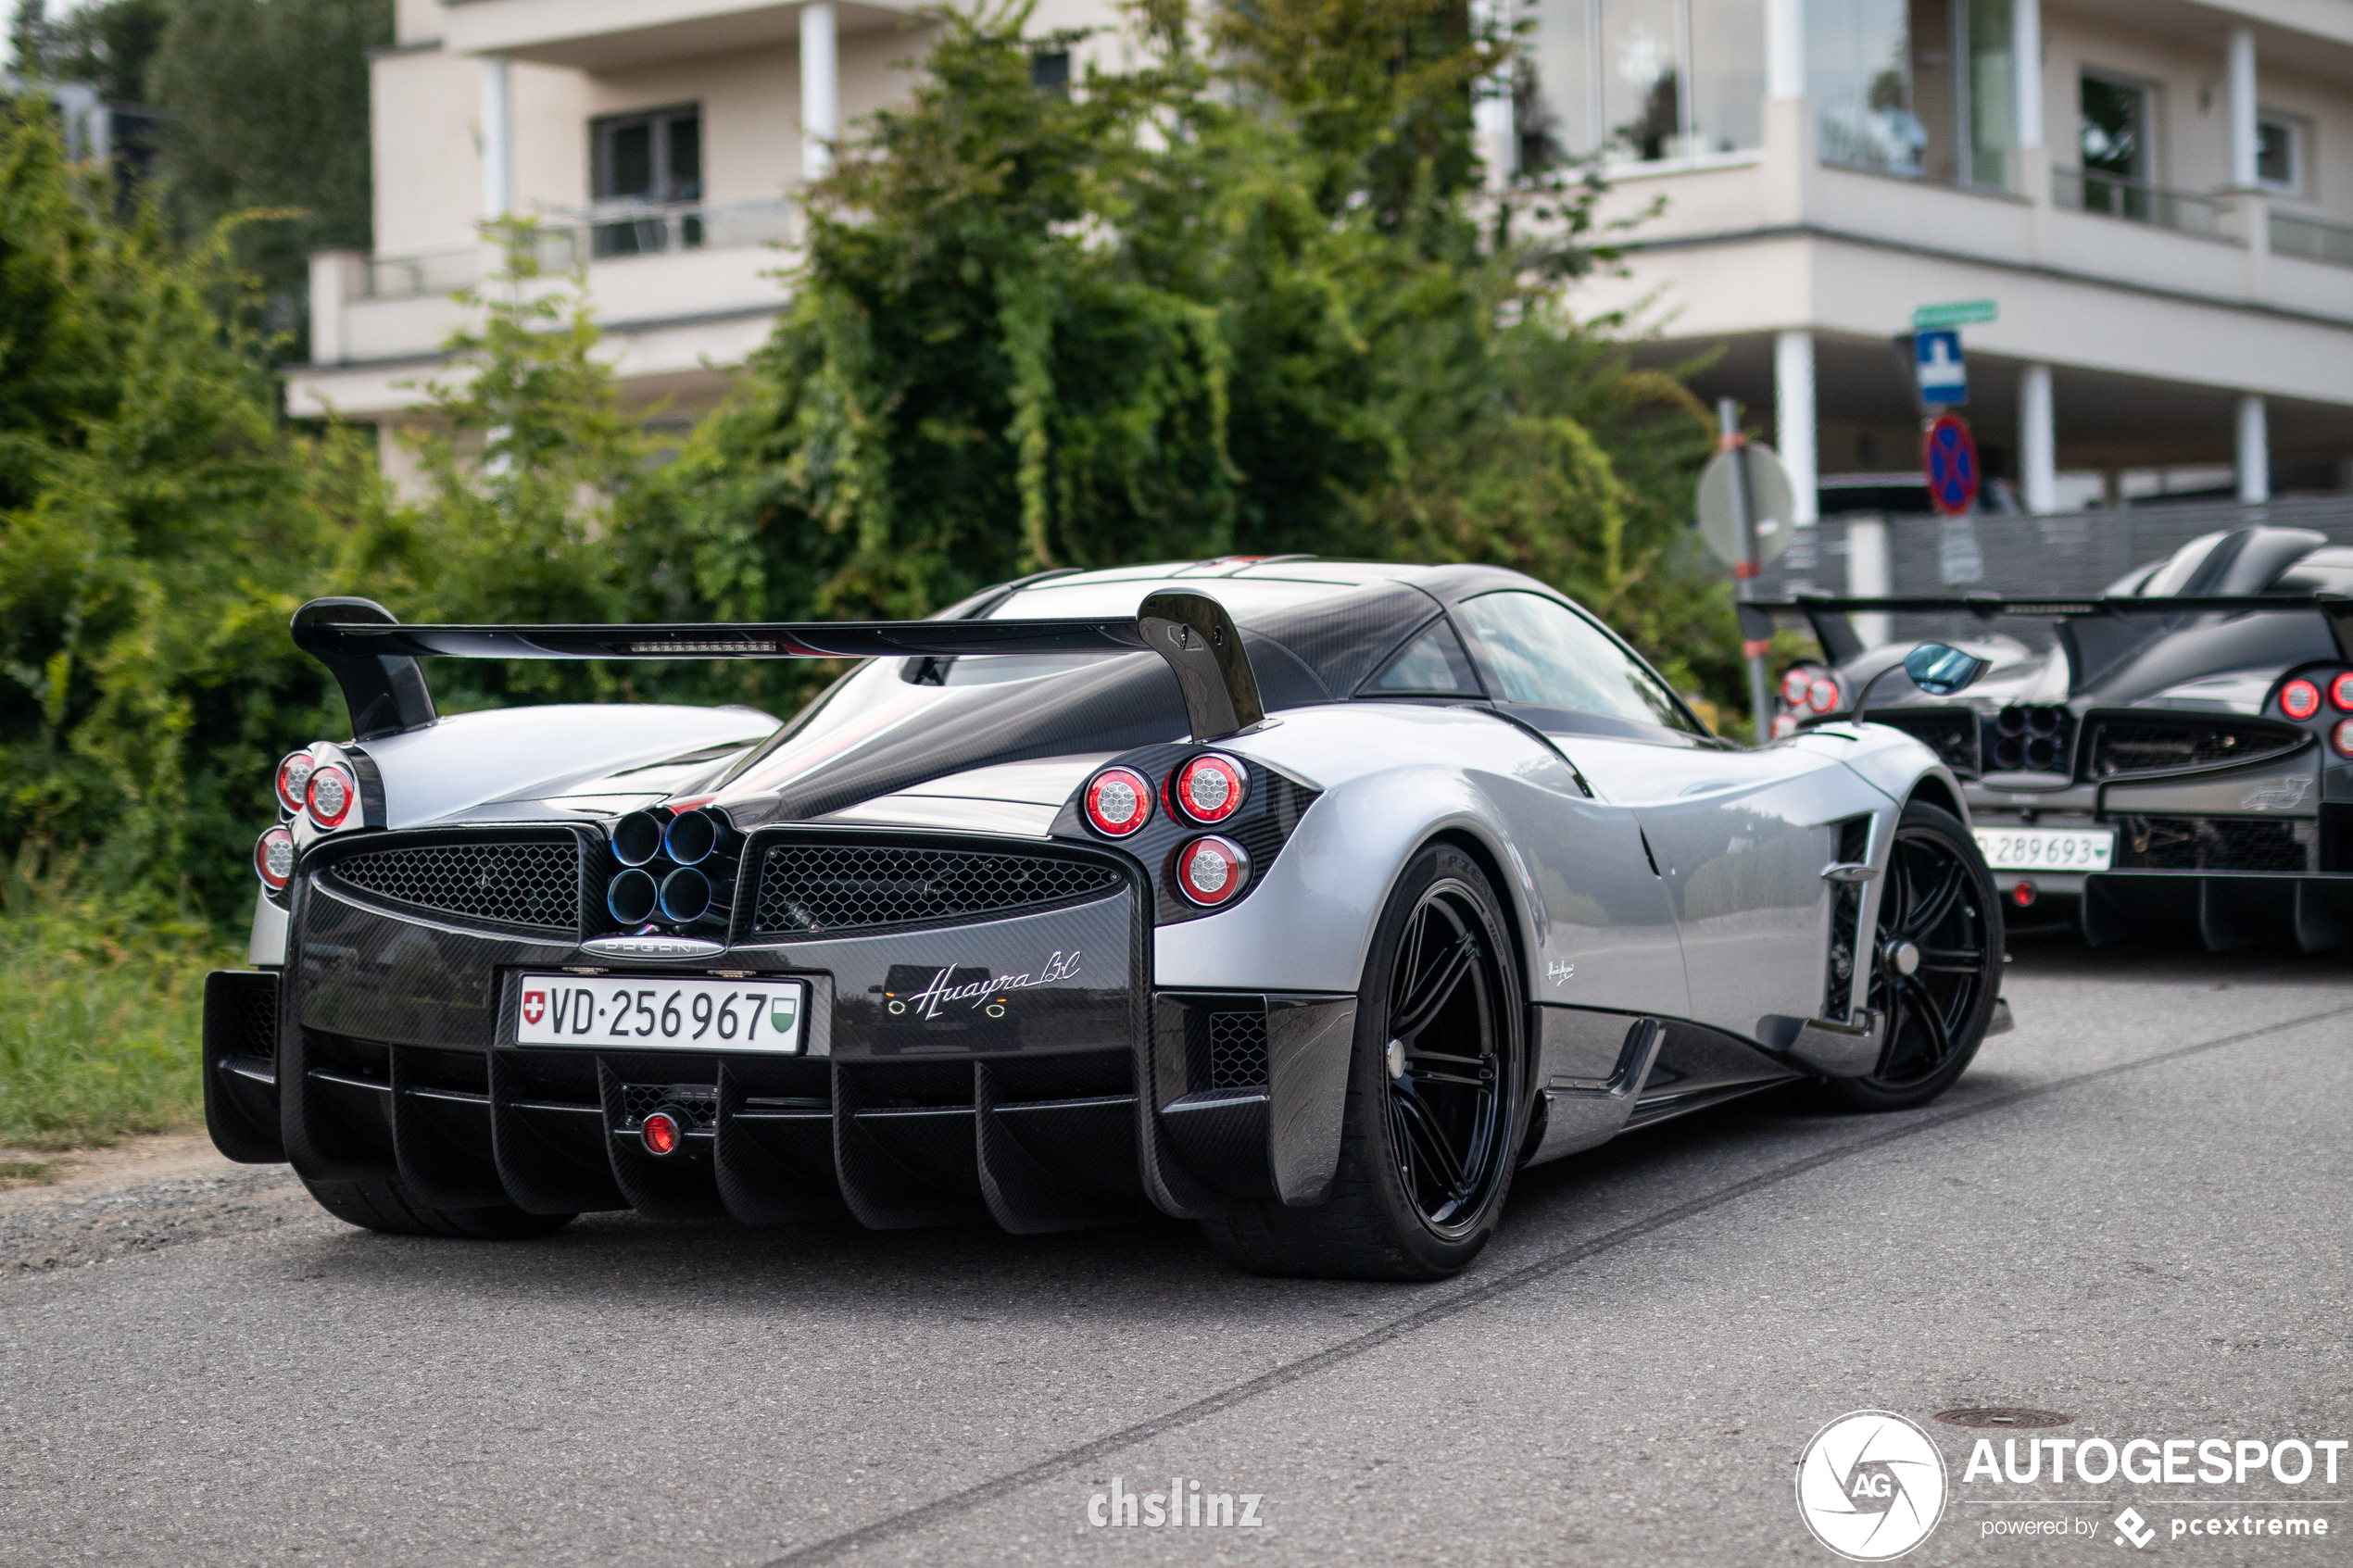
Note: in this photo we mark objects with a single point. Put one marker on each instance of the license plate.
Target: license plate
(2048, 849)
(642, 1012)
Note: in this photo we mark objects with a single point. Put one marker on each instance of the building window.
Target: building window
(1858, 72)
(652, 158)
(2278, 153)
(1642, 81)
(2112, 139)
(1050, 71)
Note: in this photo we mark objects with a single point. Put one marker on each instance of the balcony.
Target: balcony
(2312, 239)
(568, 240)
(2137, 201)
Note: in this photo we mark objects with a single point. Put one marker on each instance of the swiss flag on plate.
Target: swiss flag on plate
(535, 1006)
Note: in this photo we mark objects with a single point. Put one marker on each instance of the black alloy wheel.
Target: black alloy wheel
(1438, 1093)
(1448, 1083)
(1936, 962)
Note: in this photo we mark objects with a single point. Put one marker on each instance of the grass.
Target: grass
(100, 1017)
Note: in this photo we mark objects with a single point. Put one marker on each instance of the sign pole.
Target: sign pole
(1744, 570)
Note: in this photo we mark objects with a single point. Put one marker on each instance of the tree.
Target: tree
(1195, 308)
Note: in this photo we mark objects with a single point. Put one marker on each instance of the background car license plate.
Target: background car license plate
(2048, 849)
(659, 1013)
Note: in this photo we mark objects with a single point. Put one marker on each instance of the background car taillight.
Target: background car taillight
(1209, 789)
(1118, 802)
(2300, 699)
(329, 795)
(294, 777)
(1212, 871)
(1822, 695)
(2340, 692)
(2343, 739)
(273, 858)
(1796, 683)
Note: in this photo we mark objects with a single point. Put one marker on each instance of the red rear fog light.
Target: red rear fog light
(661, 1134)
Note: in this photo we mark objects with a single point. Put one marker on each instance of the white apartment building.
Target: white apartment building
(2155, 194)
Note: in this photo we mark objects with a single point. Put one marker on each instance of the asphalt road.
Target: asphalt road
(2134, 1212)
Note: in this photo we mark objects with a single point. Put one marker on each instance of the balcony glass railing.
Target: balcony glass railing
(566, 240)
(2136, 201)
(2310, 238)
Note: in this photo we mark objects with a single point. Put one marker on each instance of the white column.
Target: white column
(336, 278)
(819, 89)
(2242, 109)
(1491, 111)
(2037, 440)
(497, 140)
(2255, 451)
(2026, 70)
(1867, 574)
(1794, 421)
(1785, 48)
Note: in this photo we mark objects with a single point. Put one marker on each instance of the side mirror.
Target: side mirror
(1938, 668)
(1941, 669)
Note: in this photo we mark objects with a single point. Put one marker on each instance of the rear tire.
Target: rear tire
(386, 1206)
(1936, 896)
(1426, 1151)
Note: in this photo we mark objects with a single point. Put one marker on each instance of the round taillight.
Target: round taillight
(1118, 802)
(1822, 695)
(2023, 894)
(1209, 789)
(1796, 684)
(2300, 699)
(2340, 692)
(294, 777)
(1212, 871)
(273, 858)
(2343, 738)
(329, 795)
(661, 1133)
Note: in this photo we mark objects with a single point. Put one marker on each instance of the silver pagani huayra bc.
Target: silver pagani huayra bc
(2180, 759)
(1304, 900)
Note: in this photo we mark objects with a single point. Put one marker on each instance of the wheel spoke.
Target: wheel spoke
(1430, 1140)
(1930, 911)
(1951, 961)
(1449, 1061)
(1933, 1017)
(1431, 993)
(1482, 1084)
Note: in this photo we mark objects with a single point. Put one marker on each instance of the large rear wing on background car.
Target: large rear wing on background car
(2095, 631)
(374, 658)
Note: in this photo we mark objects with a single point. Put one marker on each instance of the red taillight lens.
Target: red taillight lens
(1210, 788)
(273, 858)
(1822, 695)
(1118, 802)
(1212, 871)
(328, 796)
(1796, 684)
(2300, 699)
(661, 1133)
(294, 777)
(2343, 739)
(2023, 894)
(2340, 692)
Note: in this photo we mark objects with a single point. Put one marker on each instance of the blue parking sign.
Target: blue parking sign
(1943, 378)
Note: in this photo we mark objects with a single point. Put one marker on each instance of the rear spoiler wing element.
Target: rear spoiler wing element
(1827, 613)
(374, 658)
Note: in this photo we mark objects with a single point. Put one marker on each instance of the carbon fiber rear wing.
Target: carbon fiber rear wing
(374, 658)
(1827, 613)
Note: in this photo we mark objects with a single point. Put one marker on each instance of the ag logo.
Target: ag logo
(535, 1006)
(1871, 1486)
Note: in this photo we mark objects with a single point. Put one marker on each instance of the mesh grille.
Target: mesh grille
(699, 1101)
(2211, 844)
(1952, 734)
(838, 886)
(1237, 1049)
(2142, 748)
(516, 884)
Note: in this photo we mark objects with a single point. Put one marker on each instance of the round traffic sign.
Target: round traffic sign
(1772, 502)
(1949, 456)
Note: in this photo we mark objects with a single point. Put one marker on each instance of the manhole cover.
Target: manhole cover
(2002, 1415)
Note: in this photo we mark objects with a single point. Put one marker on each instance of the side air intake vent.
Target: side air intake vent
(525, 884)
(831, 887)
(2120, 747)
